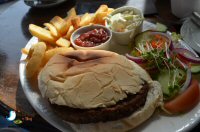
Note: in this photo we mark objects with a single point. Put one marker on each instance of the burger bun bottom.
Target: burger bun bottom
(154, 100)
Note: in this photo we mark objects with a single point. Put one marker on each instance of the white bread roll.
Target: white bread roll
(154, 97)
(90, 79)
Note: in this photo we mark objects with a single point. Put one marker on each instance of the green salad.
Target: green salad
(152, 52)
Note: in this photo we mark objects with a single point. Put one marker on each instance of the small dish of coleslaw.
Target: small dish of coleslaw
(125, 23)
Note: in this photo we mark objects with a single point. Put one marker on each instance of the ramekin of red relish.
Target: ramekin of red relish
(91, 37)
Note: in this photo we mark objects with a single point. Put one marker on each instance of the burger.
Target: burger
(99, 91)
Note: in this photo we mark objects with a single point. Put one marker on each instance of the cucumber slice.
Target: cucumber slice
(175, 37)
(161, 27)
(164, 79)
(195, 69)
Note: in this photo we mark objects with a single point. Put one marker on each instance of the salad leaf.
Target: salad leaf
(161, 27)
(195, 68)
(175, 36)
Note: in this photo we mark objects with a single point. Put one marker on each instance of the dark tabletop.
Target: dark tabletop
(14, 35)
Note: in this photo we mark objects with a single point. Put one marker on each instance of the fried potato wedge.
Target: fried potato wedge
(41, 33)
(35, 59)
(62, 42)
(52, 29)
(52, 52)
(71, 13)
(100, 14)
(50, 46)
(58, 23)
(86, 19)
(62, 25)
(76, 21)
(102, 8)
(69, 33)
(110, 10)
(65, 26)
(100, 17)
(67, 21)
(24, 51)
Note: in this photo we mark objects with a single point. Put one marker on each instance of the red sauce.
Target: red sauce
(92, 38)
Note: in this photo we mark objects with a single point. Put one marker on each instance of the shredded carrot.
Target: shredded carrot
(158, 36)
(154, 44)
(158, 41)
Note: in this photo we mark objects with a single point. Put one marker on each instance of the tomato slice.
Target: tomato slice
(185, 101)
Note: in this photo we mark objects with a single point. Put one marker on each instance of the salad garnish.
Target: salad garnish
(175, 37)
(155, 52)
(170, 75)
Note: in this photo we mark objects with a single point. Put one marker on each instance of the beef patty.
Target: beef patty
(123, 108)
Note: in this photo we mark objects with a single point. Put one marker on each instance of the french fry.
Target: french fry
(102, 8)
(24, 51)
(52, 52)
(58, 23)
(41, 33)
(69, 33)
(67, 21)
(86, 19)
(100, 14)
(63, 42)
(100, 17)
(71, 13)
(52, 29)
(76, 22)
(110, 10)
(65, 26)
(36, 58)
(30, 52)
(50, 46)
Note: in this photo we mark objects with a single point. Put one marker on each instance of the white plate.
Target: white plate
(156, 123)
(191, 34)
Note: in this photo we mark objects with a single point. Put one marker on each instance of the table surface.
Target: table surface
(14, 35)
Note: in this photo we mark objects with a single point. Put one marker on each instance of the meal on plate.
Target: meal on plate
(99, 90)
